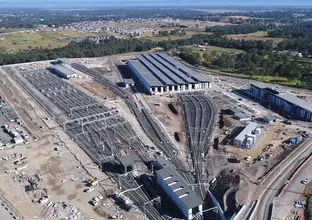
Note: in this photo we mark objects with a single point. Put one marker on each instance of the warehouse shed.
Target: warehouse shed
(64, 71)
(158, 73)
(189, 203)
(283, 103)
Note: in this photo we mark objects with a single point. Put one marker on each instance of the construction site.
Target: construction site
(78, 143)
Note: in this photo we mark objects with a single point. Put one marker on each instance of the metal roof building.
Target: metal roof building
(158, 73)
(177, 189)
(284, 103)
(248, 136)
(64, 71)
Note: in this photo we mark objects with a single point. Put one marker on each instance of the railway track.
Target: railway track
(151, 128)
(65, 97)
(198, 116)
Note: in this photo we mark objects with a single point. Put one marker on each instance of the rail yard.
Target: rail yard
(121, 153)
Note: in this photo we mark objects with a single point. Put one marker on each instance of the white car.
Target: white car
(248, 158)
(90, 189)
(304, 182)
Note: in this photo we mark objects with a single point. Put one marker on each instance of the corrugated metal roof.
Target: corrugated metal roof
(179, 187)
(145, 73)
(63, 70)
(261, 85)
(166, 63)
(156, 72)
(169, 72)
(296, 101)
(247, 130)
(286, 96)
(186, 71)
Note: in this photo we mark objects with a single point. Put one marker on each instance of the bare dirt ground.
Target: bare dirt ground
(230, 189)
(308, 189)
(20, 105)
(173, 122)
(98, 89)
(60, 166)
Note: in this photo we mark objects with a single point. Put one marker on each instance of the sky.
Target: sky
(42, 3)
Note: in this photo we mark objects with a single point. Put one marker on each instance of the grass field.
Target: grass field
(218, 49)
(21, 41)
(304, 60)
(163, 38)
(268, 79)
(260, 35)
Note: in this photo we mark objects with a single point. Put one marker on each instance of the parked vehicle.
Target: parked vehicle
(304, 182)
(248, 158)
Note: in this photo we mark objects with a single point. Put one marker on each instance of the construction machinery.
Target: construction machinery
(93, 181)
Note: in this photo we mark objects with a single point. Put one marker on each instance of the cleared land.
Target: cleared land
(16, 41)
(259, 35)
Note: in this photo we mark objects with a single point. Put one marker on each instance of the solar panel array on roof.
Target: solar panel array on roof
(145, 73)
(183, 68)
(158, 74)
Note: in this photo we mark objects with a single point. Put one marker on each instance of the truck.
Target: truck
(128, 204)
(234, 160)
(227, 141)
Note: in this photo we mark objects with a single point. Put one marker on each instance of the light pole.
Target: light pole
(128, 190)
(144, 209)
(121, 175)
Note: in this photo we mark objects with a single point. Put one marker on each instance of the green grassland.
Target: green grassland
(14, 42)
(218, 49)
(164, 38)
(268, 79)
(259, 35)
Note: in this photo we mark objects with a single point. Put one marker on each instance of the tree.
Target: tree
(197, 58)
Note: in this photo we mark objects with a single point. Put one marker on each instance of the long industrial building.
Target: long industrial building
(284, 103)
(248, 136)
(158, 73)
(190, 204)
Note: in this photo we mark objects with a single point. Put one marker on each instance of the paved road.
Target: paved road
(276, 180)
(285, 203)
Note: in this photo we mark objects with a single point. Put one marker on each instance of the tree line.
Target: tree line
(113, 45)
(297, 37)
(266, 63)
(239, 29)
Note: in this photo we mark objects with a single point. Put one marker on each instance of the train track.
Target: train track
(151, 128)
(199, 117)
(65, 97)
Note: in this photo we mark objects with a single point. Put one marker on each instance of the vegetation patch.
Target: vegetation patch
(309, 210)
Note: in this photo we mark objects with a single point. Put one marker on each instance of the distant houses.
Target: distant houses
(292, 53)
